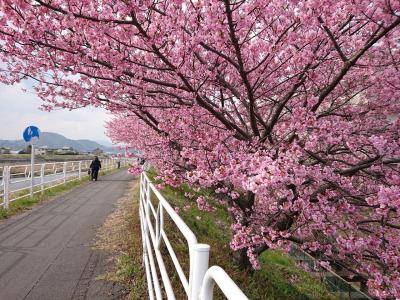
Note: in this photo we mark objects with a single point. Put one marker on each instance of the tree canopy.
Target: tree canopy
(287, 109)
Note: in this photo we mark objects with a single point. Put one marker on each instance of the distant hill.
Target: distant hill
(54, 141)
(104, 143)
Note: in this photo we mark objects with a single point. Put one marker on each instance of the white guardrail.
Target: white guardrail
(15, 180)
(201, 281)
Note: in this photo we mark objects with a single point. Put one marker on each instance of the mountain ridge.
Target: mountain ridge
(55, 141)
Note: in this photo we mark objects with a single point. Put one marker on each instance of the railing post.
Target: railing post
(65, 172)
(148, 197)
(145, 235)
(199, 266)
(42, 178)
(144, 208)
(6, 180)
(80, 170)
(160, 225)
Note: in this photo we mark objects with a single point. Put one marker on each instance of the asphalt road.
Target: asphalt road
(46, 253)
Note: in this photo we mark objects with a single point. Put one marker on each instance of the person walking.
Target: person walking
(95, 166)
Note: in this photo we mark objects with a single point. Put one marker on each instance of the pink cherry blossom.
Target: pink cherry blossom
(286, 110)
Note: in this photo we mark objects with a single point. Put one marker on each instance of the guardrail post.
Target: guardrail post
(42, 178)
(80, 170)
(159, 225)
(6, 180)
(201, 254)
(65, 172)
(148, 198)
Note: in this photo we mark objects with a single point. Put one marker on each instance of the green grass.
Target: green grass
(27, 202)
(129, 265)
(120, 237)
(279, 277)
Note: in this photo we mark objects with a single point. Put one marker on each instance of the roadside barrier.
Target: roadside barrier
(16, 180)
(334, 282)
(200, 282)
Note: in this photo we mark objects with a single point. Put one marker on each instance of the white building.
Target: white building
(41, 150)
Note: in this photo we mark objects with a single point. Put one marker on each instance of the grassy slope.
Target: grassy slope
(279, 277)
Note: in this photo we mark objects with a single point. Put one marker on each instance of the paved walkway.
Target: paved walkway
(46, 253)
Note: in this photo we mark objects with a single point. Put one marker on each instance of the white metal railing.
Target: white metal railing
(333, 281)
(201, 280)
(217, 275)
(20, 181)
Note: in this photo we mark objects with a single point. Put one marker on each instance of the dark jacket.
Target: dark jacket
(96, 164)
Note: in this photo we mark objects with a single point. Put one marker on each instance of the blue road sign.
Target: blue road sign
(31, 134)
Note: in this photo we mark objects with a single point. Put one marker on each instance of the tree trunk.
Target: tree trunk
(245, 204)
(242, 259)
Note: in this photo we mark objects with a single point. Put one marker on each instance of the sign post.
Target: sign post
(31, 135)
(32, 168)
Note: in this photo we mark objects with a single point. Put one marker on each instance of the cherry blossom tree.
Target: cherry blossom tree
(287, 109)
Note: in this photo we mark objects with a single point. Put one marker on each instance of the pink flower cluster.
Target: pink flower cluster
(135, 170)
(288, 110)
(203, 205)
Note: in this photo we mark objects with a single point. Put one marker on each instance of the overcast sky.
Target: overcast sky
(19, 109)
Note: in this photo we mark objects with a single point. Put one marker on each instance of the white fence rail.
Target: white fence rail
(201, 280)
(20, 181)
